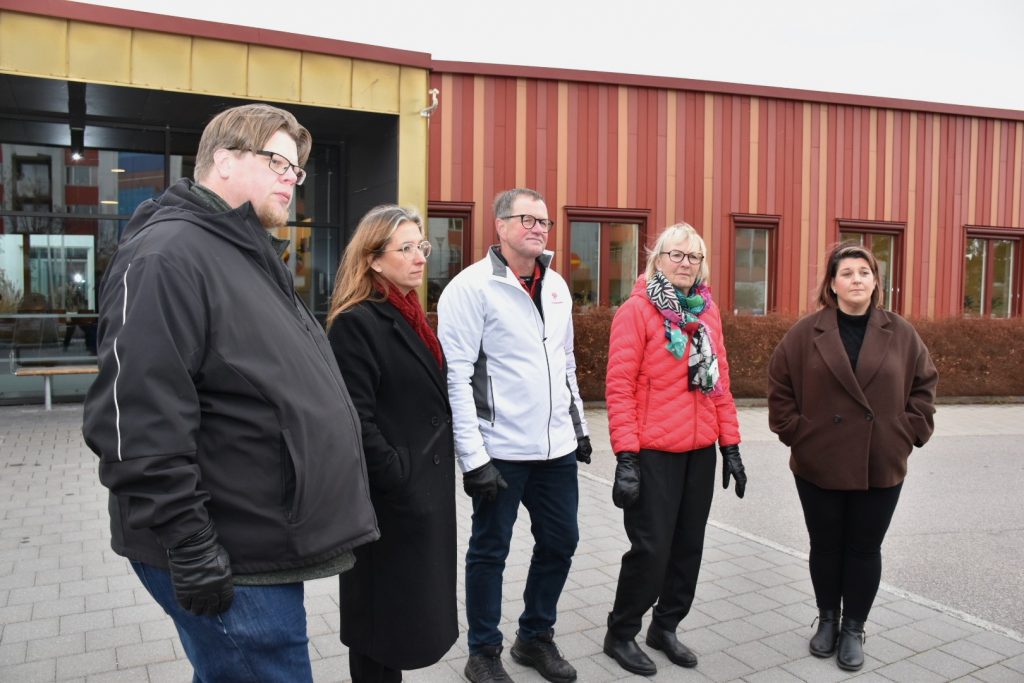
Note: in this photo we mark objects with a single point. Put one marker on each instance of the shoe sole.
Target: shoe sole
(632, 669)
(685, 665)
(528, 661)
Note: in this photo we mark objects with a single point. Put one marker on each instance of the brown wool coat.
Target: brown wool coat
(850, 431)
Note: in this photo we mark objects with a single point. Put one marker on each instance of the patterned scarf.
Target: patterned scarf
(410, 308)
(681, 313)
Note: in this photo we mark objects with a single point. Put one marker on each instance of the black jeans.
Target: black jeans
(366, 670)
(666, 530)
(846, 530)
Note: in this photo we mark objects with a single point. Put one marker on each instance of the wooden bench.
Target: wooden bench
(47, 372)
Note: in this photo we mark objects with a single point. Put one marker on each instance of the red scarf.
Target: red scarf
(410, 308)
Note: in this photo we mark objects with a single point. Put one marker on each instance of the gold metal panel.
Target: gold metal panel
(219, 67)
(33, 45)
(99, 53)
(413, 138)
(326, 80)
(375, 86)
(161, 60)
(274, 74)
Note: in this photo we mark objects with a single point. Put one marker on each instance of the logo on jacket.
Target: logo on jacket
(554, 297)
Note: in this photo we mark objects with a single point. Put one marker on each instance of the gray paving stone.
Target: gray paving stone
(721, 666)
(33, 594)
(120, 676)
(773, 675)
(886, 651)
(757, 655)
(105, 638)
(87, 621)
(1015, 663)
(13, 653)
(910, 673)
(140, 654)
(907, 636)
(997, 642)
(32, 672)
(57, 646)
(58, 607)
(817, 670)
(771, 621)
(137, 614)
(942, 663)
(30, 630)
(997, 674)
(85, 664)
(972, 652)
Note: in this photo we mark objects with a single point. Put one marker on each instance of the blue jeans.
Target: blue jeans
(550, 492)
(260, 639)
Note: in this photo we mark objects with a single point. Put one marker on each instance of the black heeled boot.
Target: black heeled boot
(823, 642)
(850, 649)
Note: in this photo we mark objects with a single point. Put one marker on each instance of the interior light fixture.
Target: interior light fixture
(77, 143)
(108, 201)
(117, 170)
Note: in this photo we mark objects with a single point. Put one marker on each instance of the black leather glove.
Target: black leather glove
(626, 490)
(732, 464)
(201, 573)
(583, 450)
(484, 481)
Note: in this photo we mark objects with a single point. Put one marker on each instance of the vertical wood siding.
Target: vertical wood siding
(700, 157)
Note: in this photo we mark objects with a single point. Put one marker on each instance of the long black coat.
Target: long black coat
(398, 602)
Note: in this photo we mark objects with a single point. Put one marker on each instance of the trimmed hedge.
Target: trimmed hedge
(975, 357)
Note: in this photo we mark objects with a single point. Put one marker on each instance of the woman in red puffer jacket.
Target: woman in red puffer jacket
(667, 390)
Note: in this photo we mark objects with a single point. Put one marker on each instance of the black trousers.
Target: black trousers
(846, 530)
(666, 530)
(366, 670)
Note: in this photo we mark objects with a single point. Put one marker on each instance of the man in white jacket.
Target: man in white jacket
(505, 323)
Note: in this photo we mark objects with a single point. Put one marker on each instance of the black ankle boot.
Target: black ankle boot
(850, 649)
(823, 642)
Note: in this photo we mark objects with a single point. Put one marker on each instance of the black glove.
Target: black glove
(583, 449)
(201, 573)
(484, 481)
(731, 464)
(626, 490)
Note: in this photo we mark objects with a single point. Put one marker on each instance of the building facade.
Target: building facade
(102, 108)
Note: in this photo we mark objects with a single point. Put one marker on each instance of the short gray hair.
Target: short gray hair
(504, 201)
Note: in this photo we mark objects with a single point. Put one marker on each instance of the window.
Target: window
(884, 240)
(604, 246)
(448, 228)
(753, 259)
(992, 272)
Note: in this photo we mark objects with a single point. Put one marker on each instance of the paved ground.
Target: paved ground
(71, 610)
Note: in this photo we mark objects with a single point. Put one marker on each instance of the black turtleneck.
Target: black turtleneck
(851, 330)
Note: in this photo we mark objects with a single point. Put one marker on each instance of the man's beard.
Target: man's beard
(272, 215)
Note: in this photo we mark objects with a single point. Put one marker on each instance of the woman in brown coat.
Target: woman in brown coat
(851, 392)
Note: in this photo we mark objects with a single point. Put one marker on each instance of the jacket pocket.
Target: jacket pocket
(396, 472)
(292, 478)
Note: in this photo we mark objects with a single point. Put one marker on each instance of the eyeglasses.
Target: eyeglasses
(676, 256)
(408, 250)
(278, 163)
(529, 221)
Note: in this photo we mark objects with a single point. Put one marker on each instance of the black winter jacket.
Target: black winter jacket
(218, 397)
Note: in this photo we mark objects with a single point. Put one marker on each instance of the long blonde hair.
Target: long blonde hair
(356, 282)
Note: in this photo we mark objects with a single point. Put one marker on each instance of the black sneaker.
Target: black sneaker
(485, 666)
(542, 655)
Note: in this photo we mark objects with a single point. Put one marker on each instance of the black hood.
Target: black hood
(240, 226)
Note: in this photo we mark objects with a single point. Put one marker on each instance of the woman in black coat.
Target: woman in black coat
(398, 608)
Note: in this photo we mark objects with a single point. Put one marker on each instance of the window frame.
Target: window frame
(897, 231)
(588, 214)
(463, 210)
(752, 221)
(995, 233)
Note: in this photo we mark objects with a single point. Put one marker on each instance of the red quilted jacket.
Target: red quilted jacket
(645, 387)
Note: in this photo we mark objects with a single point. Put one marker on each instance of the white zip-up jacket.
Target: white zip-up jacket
(511, 373)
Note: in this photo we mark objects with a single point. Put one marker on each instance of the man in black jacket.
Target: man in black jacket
(225, 433)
